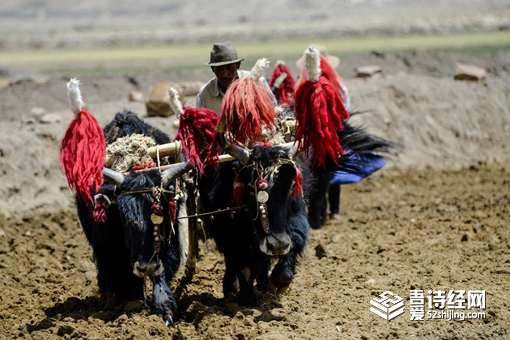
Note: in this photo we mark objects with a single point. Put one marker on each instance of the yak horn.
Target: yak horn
(113, 175)
(238, 152)
(293, 149)
(173, 171)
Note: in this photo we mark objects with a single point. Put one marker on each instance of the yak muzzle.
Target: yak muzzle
(154, 268)
(276, 244)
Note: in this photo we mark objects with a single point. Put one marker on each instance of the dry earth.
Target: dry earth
(400, 230)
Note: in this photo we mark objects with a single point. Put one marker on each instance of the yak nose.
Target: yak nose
(154, 268)
(276, 244)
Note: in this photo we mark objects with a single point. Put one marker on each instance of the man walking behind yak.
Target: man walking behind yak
(225, 64)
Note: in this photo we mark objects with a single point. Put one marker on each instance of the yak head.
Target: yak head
(271, 181)
(146, 204)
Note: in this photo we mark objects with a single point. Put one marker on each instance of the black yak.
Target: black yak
(265, 218)
(139, 234)
(256, 202)
(130, 218)
(336, 152)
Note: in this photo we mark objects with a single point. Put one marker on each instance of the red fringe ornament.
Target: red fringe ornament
(172, 210)
(99, 213)
(330, 74)
(82, 155)
(298, 184)
(320, 114)
(147, 165)
(285, 93)
(197, 133)
(246, 110)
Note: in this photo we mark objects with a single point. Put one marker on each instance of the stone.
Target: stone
(158, 103)
(38, 111)
(320, 251)
(135, 96)
(50, 118)
(469, 72)
(368, 71)
(189, 89)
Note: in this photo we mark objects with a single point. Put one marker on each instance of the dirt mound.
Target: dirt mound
(438, 122)
(400, 230)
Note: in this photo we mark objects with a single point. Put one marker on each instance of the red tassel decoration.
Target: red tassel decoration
(320, 114)
(99, 213)
(298, 184)
(172, 210)
(285, 92)
(82, 154)
(246, 110)
(330, 74)
(197, 133)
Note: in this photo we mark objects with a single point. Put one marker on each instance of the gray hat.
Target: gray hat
(223, 54)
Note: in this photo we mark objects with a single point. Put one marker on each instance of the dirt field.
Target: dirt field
(399, 230)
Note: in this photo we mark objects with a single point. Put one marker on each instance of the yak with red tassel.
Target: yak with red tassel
(197, 132)
(247, 109)
(320, 113)
(83, 148)
(339, 152)
(282, 84)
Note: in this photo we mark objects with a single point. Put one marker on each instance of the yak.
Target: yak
(261, 216)
(132, 227)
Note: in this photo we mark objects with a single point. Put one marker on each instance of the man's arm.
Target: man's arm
(200, 100)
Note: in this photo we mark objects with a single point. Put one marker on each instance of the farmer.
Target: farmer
(224, 63)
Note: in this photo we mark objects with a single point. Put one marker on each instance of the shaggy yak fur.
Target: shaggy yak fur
(239, 234)
(123, 242)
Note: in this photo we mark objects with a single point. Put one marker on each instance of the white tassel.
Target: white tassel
(259, 68)
(74, 95)
(175, 102)
(279, 81)
(313, 63)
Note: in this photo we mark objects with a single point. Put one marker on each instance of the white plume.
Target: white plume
(74, 95)
(259, 68)
(175, 102)
(313, 63)
(278, 82)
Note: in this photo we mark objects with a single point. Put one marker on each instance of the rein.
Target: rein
(219, 211)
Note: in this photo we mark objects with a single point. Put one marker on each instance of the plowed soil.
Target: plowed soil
(399, 230)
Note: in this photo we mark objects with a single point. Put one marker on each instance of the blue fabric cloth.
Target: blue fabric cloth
(354, 167)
